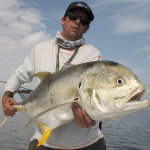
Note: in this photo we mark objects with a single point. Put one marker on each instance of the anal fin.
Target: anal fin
(46, 133)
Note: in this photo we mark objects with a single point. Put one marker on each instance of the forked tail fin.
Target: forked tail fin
(46, 133)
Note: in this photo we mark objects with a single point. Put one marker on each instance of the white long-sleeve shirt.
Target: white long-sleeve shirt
(43, 58)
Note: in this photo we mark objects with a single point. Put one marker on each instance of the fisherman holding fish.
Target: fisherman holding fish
(68, 47)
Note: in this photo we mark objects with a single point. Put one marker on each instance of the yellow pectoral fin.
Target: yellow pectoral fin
(46, 133)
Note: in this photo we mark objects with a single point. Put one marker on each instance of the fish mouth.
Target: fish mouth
(134, 96)
(137, 97)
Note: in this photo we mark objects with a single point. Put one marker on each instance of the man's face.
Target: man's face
(74, 29)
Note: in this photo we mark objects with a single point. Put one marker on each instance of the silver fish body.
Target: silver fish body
(106, 90)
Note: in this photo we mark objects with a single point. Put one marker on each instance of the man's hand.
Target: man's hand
(7, 108)
(81, 117)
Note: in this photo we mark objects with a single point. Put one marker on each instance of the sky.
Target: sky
(120, 30)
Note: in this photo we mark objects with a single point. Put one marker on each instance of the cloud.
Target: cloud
(19, 22)
(144, 49)
(148, 37)
(131, 24)
(126, 16)
(131, 20)
(21, 27)
(107, 3)
(31, 40)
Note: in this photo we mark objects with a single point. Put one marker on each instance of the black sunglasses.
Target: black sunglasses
(73, 16)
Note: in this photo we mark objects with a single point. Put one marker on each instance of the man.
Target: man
(68, 46)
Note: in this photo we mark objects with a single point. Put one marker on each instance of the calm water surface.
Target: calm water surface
(129, 133)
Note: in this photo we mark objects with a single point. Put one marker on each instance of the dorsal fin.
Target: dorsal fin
(42, 75)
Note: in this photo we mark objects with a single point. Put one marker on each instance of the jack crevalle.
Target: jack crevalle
(106, 90)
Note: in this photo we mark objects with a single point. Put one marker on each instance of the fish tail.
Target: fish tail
(46, 133)
(4, 120)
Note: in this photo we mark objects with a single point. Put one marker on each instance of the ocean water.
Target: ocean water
(129, 133)
(10, 138)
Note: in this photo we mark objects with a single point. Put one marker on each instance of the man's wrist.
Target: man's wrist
(8, 94)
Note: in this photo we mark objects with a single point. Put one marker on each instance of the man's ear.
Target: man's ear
(62, 21)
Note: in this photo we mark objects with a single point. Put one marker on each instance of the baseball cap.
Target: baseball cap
(82, 6)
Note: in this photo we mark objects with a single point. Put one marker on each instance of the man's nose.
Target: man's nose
(77, 21)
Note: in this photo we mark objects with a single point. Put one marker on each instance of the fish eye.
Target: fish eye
(120, 81)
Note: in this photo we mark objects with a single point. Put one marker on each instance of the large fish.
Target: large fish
(106, 90)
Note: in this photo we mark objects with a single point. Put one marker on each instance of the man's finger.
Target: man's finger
(80, 118)
(7, 108)
(88, 119)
